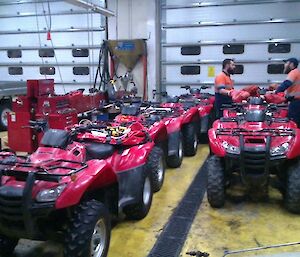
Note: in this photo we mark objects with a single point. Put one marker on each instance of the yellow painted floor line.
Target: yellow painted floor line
(244, 225)
(136, 239)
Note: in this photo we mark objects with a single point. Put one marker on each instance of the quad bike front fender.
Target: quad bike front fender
(215, 144)
(190, 116)
(158, 133)
(98, 174)
(294, 150)
(173, 124)
(205, 110)
(132, 157)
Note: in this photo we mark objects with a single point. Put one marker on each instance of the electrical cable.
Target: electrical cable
(52, 44)
(39, 36)
(50, 18)
(89, 44)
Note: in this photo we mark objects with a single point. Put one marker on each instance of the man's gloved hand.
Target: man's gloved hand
(290, 98)
(230, 92)
(273, 87)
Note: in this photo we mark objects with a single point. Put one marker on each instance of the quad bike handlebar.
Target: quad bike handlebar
(40, 125)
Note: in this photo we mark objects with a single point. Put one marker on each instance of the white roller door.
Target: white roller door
(70, 57)
(197, 36)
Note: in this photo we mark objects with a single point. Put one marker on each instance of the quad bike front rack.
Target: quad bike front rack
(21, 170)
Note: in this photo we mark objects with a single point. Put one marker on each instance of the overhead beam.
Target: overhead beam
(92, 7)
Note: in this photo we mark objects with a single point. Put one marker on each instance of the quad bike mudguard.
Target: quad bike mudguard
(173, 143)
(129, 191)
(204, 123)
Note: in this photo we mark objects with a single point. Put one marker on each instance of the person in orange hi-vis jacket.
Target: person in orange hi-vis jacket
(291, 87)
(224, 86)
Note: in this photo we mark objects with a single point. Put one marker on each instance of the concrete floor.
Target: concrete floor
(238, 225)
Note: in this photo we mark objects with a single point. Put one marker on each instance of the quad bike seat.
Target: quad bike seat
(172, 99)
(188, 105)
(154, 117)
(99, 151)
(255, 100)
(195, 91)
(131, 110)
(255, 115)
(56, 138)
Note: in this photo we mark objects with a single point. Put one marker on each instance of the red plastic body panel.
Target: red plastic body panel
(173, 124)
(256, 139)
(98, 175)
(191, 115)
(205, 110)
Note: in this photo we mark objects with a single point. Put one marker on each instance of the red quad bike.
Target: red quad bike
(256, 146)
(190, 122)
(72, 185)
(164, 126)
(205, 104)
(180, 121)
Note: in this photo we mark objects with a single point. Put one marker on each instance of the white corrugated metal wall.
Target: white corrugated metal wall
(211, 25)
(24, 26)
(136, 19)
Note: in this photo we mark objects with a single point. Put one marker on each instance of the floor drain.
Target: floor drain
(172, 238)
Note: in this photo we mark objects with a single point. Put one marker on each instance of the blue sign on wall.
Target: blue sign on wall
(126, 46)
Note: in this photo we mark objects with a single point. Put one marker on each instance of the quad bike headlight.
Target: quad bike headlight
(278, 150)
(50, 195)
(231, 148)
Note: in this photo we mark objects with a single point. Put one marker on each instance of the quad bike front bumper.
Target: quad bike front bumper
(254, 165)
(20, 215)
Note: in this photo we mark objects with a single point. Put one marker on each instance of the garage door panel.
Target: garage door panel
(223, 33)
(252, 73)
(229, 13)
(58, 39)
(21, 33)
(215, 52)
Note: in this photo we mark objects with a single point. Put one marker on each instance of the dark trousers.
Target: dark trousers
(219, 101)
(294, 111)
